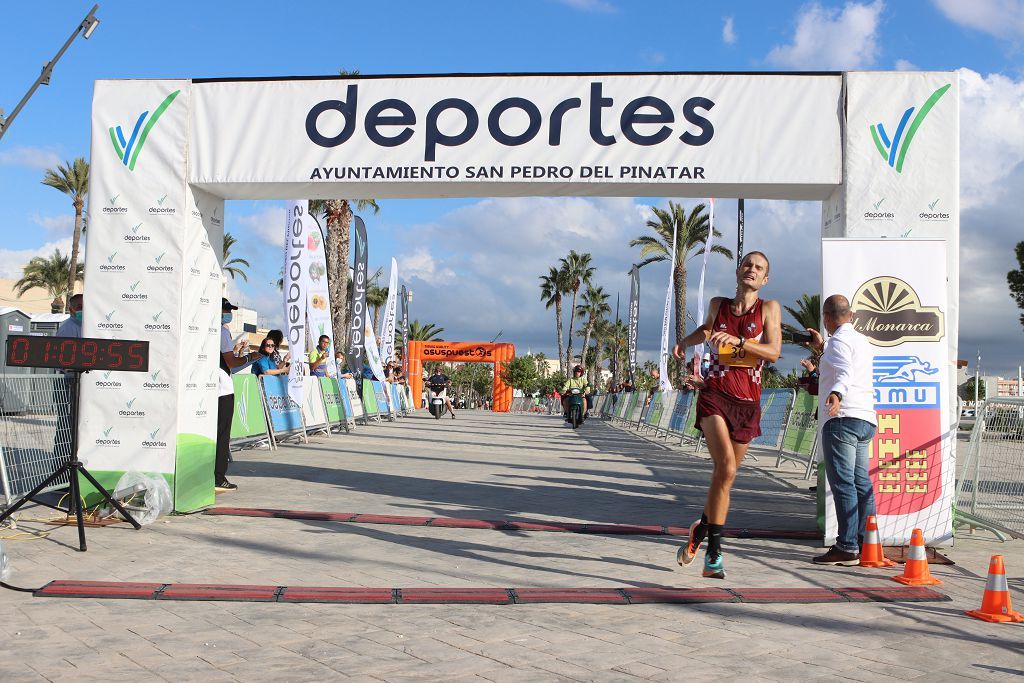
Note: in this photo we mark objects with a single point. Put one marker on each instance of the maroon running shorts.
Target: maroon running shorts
(742, 418)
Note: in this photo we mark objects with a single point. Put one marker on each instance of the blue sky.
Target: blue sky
(475, 293)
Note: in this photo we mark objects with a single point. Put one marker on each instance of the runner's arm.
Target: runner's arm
(700, 334)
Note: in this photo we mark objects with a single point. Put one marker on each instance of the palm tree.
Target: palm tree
(424, 332)
(376, 297)
(807, 314)
(601, 329)
(71, 178)
(691, 232)
(49, 274)
(552, 287)
(593, 308)
(232, 266)
(616, 338)
(577, 271)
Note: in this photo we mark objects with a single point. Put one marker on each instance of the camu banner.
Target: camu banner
(897, 289)
(357, 315)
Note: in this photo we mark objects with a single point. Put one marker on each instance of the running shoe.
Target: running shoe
(687, 553)
(714, 569)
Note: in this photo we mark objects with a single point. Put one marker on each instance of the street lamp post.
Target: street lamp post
(86, 27)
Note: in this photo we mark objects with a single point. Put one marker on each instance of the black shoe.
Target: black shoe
(838, 557)
(225, 486)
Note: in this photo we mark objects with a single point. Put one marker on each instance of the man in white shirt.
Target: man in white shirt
(849, 423)
(226, 405)
(72, 327)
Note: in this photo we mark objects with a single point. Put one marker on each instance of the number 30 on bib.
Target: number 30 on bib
(735, 357)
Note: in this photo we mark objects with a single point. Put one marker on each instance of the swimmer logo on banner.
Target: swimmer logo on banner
(901, 308)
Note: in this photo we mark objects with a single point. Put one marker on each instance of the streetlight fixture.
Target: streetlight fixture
(86, 27)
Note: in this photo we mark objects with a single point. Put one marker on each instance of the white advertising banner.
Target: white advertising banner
(318, 297)
(683, 135)
(897, 289)
(902, 177)
(387, 324)
(372, 352)
(299, 227)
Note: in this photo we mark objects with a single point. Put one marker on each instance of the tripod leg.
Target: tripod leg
(76, 505)
(35, 492)
(107, 497)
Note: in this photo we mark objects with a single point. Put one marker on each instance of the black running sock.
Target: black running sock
(700, 532)
(715, 540)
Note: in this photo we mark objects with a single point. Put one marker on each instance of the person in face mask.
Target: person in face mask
(72, 327)
(226, 405)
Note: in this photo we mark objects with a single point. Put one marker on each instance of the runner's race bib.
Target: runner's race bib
(735, 357)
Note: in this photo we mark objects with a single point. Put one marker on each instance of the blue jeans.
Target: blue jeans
(845, 442)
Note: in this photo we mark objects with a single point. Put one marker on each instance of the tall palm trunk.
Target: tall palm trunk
(376, 317)
(75, 238)
(339, 220)
(595, 372)
(586, 340)
(558, 328)
(572, 326)
(679, 282)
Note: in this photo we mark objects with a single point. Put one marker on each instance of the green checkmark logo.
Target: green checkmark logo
(110, 315)
(110, 259)
(113, 200)
(129, 403)
(160, 258)
(157, 316)
(152, 434)
(931, 206)
(134, 285)
(106, 375)
(106, 432)
(155, 375)
(879, 203)
(161, 200)
(135, 228)
(907, 233)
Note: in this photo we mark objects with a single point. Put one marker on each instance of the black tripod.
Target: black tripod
(72, 468)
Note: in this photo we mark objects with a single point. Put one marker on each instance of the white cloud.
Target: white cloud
(904, 65)
(654, 57)
(829, 38)
(590, 5)
(420, 264)
(1000, 18)
(268, 225)
(991, 136)
(33, 157)
(728, 31)
(12, 261)
(61, 223)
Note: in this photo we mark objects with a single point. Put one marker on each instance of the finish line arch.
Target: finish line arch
(421, 352)
(879, 150)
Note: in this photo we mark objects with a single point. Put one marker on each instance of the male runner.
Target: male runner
(743, 332)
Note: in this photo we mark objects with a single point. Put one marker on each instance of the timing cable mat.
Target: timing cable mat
(481, 596)
(508, 525)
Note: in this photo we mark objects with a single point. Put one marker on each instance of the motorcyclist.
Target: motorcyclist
(577, 381)
(439, 382)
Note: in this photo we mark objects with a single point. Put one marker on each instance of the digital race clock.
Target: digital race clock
(71, 353)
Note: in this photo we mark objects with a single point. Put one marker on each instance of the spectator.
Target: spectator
(319, 356)
(277, 336)
(266, 365)
(229, 361)
(72, 327)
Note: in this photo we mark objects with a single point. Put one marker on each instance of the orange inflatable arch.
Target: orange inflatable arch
(421, 352)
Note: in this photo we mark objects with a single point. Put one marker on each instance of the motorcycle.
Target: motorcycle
(435, 401)
(575, 405)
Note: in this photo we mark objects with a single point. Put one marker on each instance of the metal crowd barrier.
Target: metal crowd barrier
(35, 431)
(990, 479)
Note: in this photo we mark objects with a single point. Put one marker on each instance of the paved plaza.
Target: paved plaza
(487, 466)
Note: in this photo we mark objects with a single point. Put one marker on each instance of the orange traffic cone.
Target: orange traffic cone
(915, 571)
(871, 554)
(995, 602)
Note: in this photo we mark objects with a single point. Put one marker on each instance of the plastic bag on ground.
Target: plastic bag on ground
(5, 564)
(145, 506)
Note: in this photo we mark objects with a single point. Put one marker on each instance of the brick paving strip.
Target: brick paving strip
(480, 596)
(507, 525)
